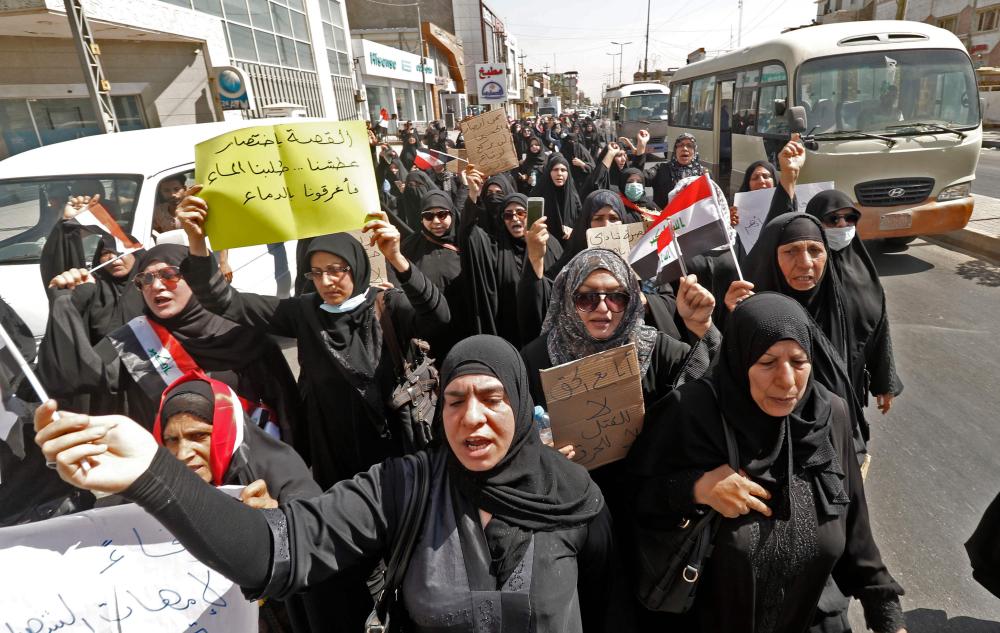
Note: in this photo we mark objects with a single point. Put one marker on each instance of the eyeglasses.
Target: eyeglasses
(333, 272)
(509, 215)
(588, 301)
(170, 275)
(689, 146)
(849, 217)
(442, 215)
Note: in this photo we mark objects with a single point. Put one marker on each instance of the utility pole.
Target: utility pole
(93, 74)
(613, 55)
(645, 57)
(739, 30)
(621, 49)
(423, 74)
(900, 9)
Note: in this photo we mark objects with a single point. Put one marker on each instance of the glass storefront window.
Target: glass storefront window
(17, 132)
(63, 119)
(420, 97)
(378, 98)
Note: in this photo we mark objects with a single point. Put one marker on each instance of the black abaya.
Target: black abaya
(562, 204)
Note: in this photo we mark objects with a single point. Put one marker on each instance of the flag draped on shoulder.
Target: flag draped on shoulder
(96, 219)
(691, 224)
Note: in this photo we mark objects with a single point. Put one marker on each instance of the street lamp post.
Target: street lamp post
(621, 49)
(611, 79)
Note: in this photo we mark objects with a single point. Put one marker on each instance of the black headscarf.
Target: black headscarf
(113, 301)
(217, 344)
(645, 202)
(754, 326)
(562, 205)
(493, 204)
(614, 173)
(822, 301)
(748, 174)
(418, 183)
(679, 172)
(409, 152)
(437, 199)
(533, 488)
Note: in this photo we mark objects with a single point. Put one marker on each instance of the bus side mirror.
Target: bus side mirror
(779, 107)
(797, 119)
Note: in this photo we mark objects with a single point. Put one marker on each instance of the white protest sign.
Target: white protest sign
(619, 238)
(112, 570)
(754, 205)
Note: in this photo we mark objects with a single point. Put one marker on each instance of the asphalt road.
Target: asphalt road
(987, 181)
(936, 456)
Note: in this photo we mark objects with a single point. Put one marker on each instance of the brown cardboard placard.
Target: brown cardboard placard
(619, 238)
(488, 143)
(595, 404)
(456, 166)
(376, 259)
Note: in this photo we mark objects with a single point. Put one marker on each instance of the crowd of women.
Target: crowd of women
(754, 393)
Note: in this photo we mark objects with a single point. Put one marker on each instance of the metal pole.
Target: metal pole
(739, 30)
(429, 110)
(621, 51)
(645, 57)
(93, 74)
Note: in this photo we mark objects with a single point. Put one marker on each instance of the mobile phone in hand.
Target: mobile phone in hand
(536, 209)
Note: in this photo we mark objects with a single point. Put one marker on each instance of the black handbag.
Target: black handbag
(409, 529)
(415, 396)
(669, 585)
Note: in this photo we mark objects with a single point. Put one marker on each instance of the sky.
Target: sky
(577, 35)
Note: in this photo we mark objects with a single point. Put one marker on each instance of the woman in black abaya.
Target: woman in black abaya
(418, 183)
(492, 261)
(123, 364)
(868, 344)
(534, 160)
(562, 202)
(581, 163)
(434, 250)
(514, 537)
(608, 167)
(798, 515)
(684, 162)
(411, 145)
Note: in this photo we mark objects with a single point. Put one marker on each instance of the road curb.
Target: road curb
(976, 243)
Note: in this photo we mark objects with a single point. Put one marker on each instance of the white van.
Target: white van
(126, 168)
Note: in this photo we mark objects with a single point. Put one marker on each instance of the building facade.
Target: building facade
(163, 59)
(395, 81)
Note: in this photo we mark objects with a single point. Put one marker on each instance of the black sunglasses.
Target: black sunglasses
(833, 219)
(428, 216)
(509, 215)
(169, 274)
(588, 301)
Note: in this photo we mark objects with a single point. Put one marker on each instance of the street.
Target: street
(936, 456)
(988, 174)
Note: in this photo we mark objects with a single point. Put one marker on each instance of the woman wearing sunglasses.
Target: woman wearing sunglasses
(173, 334)
(434, 250)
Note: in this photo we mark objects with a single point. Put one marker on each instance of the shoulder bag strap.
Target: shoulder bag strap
(406, 537)
(389, 331)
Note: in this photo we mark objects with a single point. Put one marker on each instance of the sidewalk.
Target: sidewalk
(991, 139)
(981, 236)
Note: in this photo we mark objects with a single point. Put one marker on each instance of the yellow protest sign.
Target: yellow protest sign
(595, 404)
(275, 183)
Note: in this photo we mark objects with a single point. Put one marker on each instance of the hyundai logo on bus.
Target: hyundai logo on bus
(898, 192)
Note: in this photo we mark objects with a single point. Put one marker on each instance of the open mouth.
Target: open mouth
(161, 301)
(477, 446)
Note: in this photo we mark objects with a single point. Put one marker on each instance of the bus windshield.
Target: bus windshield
(889, 91)
(29, 209)
(645, 107)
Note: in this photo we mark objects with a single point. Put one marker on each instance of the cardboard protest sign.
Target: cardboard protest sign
(595, 404)
(112, 569)
(276, 183)
(754, 205)
(488, 143)
(619, 238)
(375, 257)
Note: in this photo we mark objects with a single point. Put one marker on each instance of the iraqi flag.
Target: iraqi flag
(96, 219)
(424, 160)
(694, 219)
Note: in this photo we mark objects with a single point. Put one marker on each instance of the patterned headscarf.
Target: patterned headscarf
(568, 338)
(694, 168)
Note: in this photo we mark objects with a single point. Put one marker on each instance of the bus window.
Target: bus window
(876, 91)
(774, 85)
(745, 105)
(644, 107)
(702, 103)
(679, 104)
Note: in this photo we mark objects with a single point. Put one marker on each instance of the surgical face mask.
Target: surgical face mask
(634, 191)
(840, 237)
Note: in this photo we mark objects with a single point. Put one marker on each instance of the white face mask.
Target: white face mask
(840, 237)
